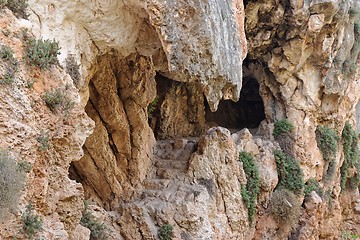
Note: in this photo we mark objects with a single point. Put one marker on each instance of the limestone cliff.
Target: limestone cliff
(169, 94)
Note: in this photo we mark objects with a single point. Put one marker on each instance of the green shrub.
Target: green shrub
(326, 139)
(58, 101)
(281, 127)
(98, 231)
(152, 106)
(250, 192)
(165, 232)
(32, 224)
(351, 157)
(312, 185)
(11, 182)
(11, 67)
(289, 172)
(72, 68)
(24, 166)
(43, 139)
(41, 53)
(3, 4)
(285, 207)
(349, 236)
(6, 53)
(18, 7)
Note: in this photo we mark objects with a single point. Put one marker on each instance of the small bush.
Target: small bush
(24, 166)
(72, 68)
(32, 224)
(98, 231)
(165, 232)
(11, 182)
(43, 139)
(312, 185)
(58, 101)
(351, 157)
(285, 207)
(3, 4)
(152, 106)
(41, 53)
(281, 127)
(250, 192)
(326, 139)
(289, 172)
(18, 7)
(7, 55)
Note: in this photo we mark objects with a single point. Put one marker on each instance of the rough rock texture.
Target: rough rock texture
(191, 41)
(303, 56)
(23, 116)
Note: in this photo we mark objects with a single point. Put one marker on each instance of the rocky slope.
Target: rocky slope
(153, 139)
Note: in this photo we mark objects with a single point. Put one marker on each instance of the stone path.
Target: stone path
(170, 166)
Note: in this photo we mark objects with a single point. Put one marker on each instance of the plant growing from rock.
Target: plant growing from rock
(31, 223)
(43, 139)
(351, 158)
(41, 53)
(152, 106)
(97, 230)
(285, 207)
(312, 185)
(250, 192)
(58, 101)
(24, 166)
(11, 67)
(165, 232)
(72, 68)
(18, 7)
(327, 139)
(289, 172)
(11, 182)
(282, 127)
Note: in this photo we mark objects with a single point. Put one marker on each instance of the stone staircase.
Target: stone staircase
(170, 167)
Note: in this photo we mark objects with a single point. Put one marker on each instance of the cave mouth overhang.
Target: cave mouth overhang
(248, 112)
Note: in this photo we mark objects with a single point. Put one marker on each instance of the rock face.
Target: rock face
(189, 41)
(153, 74)
(24, 118)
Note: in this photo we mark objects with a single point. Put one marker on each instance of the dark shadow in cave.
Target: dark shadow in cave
(248, 112)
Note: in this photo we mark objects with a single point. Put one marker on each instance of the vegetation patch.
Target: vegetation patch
(326, 139)
(18, 7)
(11, 64)
(41, 53)
(11, 182)
(58, 101)
(250, 192)
(285, 207)
(165, 232)
(43, 139)
(312, 185)
(32, 224)
(152, 106)
(72, 68)
(289, 172)
(282, 127)
(351, 158)
(97, 230)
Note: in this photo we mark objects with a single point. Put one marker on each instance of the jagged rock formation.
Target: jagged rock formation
(148, 163)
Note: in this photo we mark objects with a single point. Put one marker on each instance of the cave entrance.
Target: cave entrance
(248, 112)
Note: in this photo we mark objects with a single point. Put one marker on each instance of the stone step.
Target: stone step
(171, 164)
(161, 195)
(156, 184)
(166, 173)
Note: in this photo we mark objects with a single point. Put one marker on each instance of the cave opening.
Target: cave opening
(248, 112)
